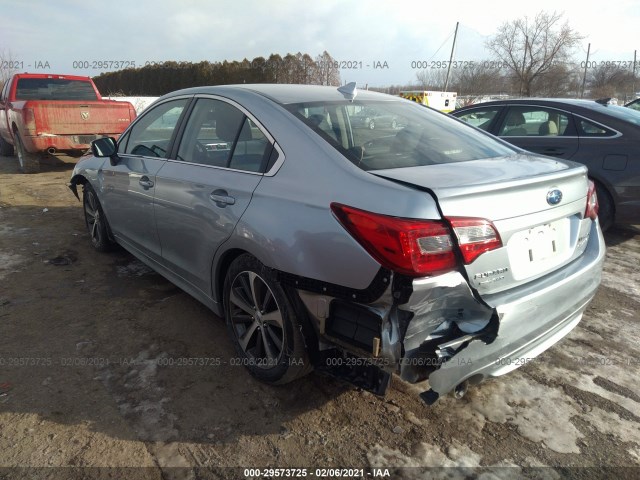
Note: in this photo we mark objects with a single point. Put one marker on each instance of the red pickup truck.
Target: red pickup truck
(42, 114)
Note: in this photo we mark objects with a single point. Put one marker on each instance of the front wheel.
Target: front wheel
(29, 162)
(262, 323)
(95, 220)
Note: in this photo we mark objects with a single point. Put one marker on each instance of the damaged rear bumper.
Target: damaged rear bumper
(436, 328)
(531, 318)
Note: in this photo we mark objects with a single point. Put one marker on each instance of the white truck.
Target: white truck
(443, 101)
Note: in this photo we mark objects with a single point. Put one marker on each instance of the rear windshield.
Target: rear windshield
(622, 113)
(395, 134)
(54, 89)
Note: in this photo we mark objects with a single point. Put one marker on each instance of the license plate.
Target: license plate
(541, 243)
(538, 249)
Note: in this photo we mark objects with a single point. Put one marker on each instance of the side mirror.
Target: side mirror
(105, 147)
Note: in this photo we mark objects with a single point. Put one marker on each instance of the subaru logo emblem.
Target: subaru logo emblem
(554, 197)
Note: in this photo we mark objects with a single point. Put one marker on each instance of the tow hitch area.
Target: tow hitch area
(441, 352)
(362, 374)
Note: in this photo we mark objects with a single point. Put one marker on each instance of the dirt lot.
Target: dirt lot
(91, 375)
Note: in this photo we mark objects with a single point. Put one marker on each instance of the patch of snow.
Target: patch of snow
(134, 269)
(8, 263)
(139, 103)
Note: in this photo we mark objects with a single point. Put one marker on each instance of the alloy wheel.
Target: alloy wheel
(256, 319)
(93, 218)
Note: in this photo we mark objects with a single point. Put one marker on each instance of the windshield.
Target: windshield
(395, 134)
(54, 89)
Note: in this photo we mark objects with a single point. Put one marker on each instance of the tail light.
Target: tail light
(475, 236)
(412, 247)
(29, 119)
(417, 247)
(592, 202)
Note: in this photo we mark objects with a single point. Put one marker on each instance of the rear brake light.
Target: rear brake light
(411, 247)
(592, 202)
(29, 120)
(475, 236)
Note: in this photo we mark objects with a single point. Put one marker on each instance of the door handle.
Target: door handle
(553, 151)
(222, 198)
(145, 182)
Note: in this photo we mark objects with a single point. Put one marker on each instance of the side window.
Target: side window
(480, 118)
(252, 149)
(220, 135)
(152, 133)
(534, 122)
(589, 129)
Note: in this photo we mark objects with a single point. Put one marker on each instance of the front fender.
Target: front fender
(75, 181)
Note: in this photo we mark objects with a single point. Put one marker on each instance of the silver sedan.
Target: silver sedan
(433, 251)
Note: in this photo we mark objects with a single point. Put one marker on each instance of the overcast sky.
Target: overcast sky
(367, 33)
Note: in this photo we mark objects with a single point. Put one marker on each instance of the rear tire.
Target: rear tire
(606, 210)
(6, 149)
(29, 162)
(95, 220)
(262, 323)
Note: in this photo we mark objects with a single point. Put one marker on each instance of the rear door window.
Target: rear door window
(220, 135)
(535, 122)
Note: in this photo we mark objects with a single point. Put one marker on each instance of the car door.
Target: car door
(202, 192)
(129, 186)
(539, 129)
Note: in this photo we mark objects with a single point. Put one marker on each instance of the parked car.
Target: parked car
(436, 251)
(635, 104)
(604, 137)
(371, 118)
(43, 114)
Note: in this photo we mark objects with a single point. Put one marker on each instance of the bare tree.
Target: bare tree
(609, 80)
(8, 66)
(561, 80)
(480, 78)
(530, 49)
(433, 79)
(326, 68)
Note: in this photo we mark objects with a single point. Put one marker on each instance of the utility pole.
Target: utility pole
(524, 61)
(584, 75)
(455, 35)
(633, 81)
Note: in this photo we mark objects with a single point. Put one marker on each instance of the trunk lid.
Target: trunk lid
(538, 235)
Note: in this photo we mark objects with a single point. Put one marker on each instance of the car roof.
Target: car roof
(540, 101)
(288, 93)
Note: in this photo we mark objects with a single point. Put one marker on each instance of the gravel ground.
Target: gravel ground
(93, 374)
